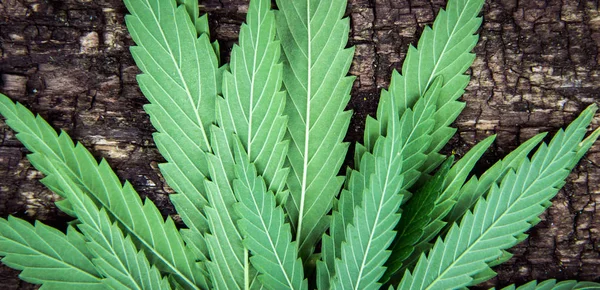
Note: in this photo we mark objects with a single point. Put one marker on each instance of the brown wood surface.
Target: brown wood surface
(537, 67)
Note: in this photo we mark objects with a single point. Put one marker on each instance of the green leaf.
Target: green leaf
(452, 183)
(181, 79)
(229, 264)
(200, 21)
(179, 70)
(449, 210)
(266, 235)
(414, 128)
(498, 220)
(459, 172)
(443, 51)
(475, 188)
(47, 256)
(444, 203)
(395, 157)
(415, 217)
(553, 285)
(251, 108)
(114, 255)
(253, 103)
(142, 221)
(313, 37)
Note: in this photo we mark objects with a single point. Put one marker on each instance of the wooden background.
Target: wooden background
(537, 67)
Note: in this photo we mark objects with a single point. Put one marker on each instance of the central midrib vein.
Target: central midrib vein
(306, 129)
(249, 142)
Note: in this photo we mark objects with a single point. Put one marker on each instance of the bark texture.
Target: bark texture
(537, 67)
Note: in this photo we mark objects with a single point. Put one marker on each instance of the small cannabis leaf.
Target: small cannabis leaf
(253, 103)
(415, 218)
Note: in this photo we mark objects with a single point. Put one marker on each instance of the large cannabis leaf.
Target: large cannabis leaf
(315, 63)
(443, 52)
(447, 199)
(251, 108)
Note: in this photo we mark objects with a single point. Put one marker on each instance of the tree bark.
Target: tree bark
(537, 67)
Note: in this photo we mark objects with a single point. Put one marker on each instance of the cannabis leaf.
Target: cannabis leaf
(114, 255)
(414, 220)
(181, 80)
(442, 51)
(266, 235)
(229, 264)
(420, 69)
(253, 103)
(251, 108)
(143, 222)
(452, 200)
(47, 256)
(315, 63)
(499, 219)
(371, 233)
(475, 188)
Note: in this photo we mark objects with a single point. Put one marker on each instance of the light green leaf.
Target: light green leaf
(414, 127)
(395, 157)
(181, 79)
(251, 108)
(266, 235)
(229, 265)
(200, 21)
(443, 51)
(415, 217)
(142, 221)
(253, 103)
(498, 220)
(47, 256)
(475, 188)
(450, 210)
(114, 255)
(313, 37)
